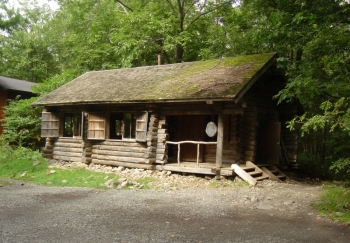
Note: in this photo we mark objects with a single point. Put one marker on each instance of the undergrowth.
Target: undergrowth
(335, 203)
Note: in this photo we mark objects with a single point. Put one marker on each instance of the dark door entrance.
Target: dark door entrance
(191, 128)
(268, 143)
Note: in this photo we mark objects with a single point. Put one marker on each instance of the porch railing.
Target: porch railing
(193, 142)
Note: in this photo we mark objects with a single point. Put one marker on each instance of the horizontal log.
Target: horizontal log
(149, 155)
(70, 140)
(162, 151)
(151, 149)
(161, 146)
(152, 124)
(150, 161)
(162, 126)
(70, 145)
(161, 162)
(117, 158)
(120, 148)
(151, 143)
(161, 157)
(118, 153)
(68, 149)
(67, 158)
(161, 140)
(89, 149)
(162, 131)
(119, 143)
(163, 136)
(125, 164)
(152, 129)
(86, 154)
(86, 160)
(151, 137)
(153, 119)
(68, 154)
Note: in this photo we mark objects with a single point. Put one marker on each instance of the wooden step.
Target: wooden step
(261, 178)
(255, 173)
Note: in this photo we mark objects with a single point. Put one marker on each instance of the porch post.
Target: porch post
(219, 146)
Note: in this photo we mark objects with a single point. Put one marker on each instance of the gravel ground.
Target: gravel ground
(269, 212)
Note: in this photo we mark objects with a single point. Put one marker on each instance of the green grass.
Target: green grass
(335, 203)
(38, 172)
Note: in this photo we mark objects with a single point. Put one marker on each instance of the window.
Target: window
(119, 126)
(129, 126)
(123, 126)
(72, 125)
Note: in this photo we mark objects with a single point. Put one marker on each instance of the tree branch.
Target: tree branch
(124, 6)
(204, 13)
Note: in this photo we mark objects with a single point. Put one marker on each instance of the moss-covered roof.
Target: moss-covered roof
(213, 79)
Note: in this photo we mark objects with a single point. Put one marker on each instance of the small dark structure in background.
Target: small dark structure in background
(10, 88)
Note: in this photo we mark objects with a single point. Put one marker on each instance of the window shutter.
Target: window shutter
(50, 125)
(96, 126)
(141, 126)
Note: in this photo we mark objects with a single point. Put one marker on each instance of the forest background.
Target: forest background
(51, 47)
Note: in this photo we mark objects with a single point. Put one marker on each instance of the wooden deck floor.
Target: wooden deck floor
(192, 167)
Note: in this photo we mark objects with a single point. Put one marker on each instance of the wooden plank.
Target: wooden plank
(68, 149)
(120, 148)
(220, 142)
(118, 153)
(69, 145)
(129, 143)
(70, 140)
(244, 175)
(70, 154)
(270, 174)
(67, 158)
(117, 158)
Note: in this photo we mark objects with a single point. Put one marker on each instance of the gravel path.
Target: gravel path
(269, 212)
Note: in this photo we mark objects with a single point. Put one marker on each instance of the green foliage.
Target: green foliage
(53, 82)
(9, 153)
(22, 123)
(335, 203)
(342, 167)
(26, 51)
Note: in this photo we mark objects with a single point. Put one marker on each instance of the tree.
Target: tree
(26, 50)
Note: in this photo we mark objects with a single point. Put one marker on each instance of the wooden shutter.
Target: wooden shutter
(141, 126)
(50, 125)
(96, 126)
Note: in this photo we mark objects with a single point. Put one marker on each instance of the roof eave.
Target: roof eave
(211, 99)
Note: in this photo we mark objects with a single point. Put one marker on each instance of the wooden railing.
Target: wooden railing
(193, 142)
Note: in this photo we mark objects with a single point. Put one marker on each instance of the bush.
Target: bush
(22, 123)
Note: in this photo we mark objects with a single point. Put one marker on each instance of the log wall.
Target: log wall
(68, 149)
(119, 151)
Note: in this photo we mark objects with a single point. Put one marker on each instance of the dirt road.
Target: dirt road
(270, 213)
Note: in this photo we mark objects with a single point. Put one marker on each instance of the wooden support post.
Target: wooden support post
(198, 154)
(178, 154)
(219, 146)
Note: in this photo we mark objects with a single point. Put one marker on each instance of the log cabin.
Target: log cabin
(196, 117)
(10, 89)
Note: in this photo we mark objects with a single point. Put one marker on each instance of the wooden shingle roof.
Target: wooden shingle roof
(220, 79)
